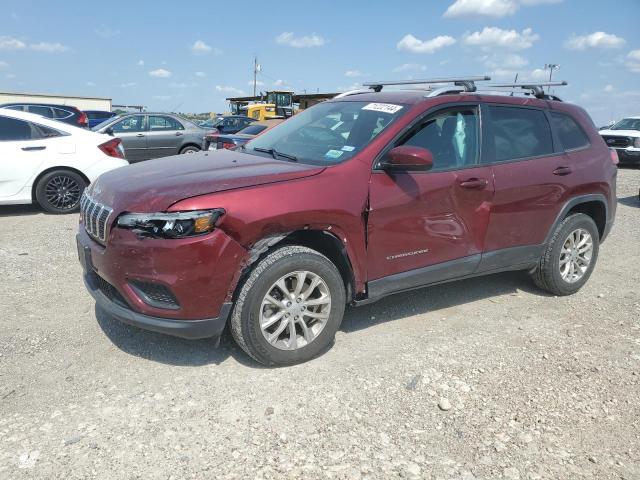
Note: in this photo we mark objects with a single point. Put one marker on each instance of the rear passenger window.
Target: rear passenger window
(12, 129)
(570, 133)
(60, 113)
(40, 110)
(519, 133)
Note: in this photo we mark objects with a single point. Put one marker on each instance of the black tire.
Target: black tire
(59, 191)
(245, 319)
(189, 149)
(547, 275)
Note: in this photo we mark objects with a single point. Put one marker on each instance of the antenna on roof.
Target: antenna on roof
(467, 83)
(536, 89)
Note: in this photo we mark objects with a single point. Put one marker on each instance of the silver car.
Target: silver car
(153, 135)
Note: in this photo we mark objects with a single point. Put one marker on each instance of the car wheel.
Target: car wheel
(60, 191)
(570, 256)
(289, 307)
(189, 149)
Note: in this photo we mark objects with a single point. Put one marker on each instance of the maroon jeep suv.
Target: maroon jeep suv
(363, 196)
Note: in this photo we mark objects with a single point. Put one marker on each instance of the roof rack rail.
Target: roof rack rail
(468, 83)
(536, 89)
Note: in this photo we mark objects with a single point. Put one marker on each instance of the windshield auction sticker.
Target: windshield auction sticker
(383, 107)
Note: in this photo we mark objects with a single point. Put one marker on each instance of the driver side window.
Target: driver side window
(451, 136)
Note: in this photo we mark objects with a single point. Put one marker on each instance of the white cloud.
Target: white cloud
(354, 73)
(537, 74)
(3, 64)
(278, 83)
(227, 89)
(490, 8)
(128, 84)
(201, 48)
(106, 32)
(178, 85)
(408, 67)
(49, 47)
(10, 43)
(494, 37)
(140, 63)
(290, 40)
(415, 45)
(507, 61)
(258, 83)
(90, 84)
(10, 75)
(200, 74)
(633, 61)
(162, 97)
(594, 40)
(609, 88)
(160, 73)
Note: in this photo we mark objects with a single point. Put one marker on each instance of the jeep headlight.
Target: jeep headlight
(171, 224)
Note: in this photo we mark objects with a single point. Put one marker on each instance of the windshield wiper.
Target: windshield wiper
(275, 154)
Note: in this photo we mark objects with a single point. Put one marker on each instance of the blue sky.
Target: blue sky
(189, 56)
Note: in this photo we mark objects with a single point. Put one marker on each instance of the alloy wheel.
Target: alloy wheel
(295, 310)
(63, 192)
(575, 255)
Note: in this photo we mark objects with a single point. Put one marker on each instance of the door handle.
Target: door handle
(474, 183)
(32, 149)
(178, 134)
(140, 135)
(562, 171)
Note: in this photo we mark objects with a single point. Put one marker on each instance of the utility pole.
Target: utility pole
(551, 67)
(255, 73)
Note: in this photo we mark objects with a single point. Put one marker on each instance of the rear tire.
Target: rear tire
(59, 191)
(189, 149)
(313, 307)
(570, 257)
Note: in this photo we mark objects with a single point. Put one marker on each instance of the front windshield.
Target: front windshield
(328, 133)
(105, 123)
(627, 124)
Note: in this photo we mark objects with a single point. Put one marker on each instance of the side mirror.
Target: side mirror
(408, 158)
(109, 131)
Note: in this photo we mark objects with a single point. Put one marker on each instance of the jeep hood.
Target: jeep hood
(620, 133)
(155, 185)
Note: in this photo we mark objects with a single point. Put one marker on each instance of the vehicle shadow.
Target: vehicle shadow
(167, 349)
(431, 299)
(630, 201)
(181, 352)
(19, 210)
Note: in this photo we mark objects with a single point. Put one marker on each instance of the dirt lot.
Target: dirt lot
(486, 378)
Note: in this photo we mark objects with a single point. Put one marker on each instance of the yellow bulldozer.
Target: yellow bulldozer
(273, 104)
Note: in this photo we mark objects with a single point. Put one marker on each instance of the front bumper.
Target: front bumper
(628, 156)
(191, 329)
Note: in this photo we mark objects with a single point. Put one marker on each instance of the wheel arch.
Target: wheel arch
(190, 144)
(323, 242)
(594, 205)
(36, 180)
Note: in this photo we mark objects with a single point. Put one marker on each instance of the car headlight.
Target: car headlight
(636, 142)
(171, 224)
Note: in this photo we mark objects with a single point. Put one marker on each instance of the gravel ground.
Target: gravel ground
(485, 378)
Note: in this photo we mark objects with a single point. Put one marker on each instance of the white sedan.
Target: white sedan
(50, 163)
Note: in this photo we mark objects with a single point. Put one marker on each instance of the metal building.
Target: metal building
(83, 103)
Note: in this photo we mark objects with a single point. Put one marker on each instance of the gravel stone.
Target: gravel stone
(135, 404)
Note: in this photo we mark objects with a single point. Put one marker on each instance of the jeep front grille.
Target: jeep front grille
(618, 142)
(95, 216)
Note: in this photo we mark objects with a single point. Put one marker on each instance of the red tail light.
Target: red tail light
(83, 120)
(614, 156)
(113, 148)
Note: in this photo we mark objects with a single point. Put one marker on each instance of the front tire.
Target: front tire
(289, 308)
(59, 191)
(570, 256)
